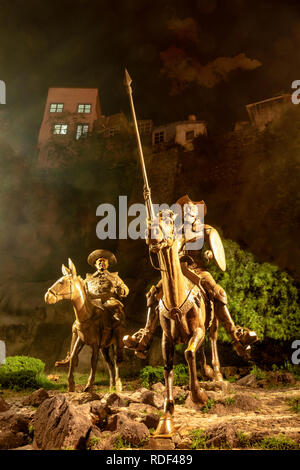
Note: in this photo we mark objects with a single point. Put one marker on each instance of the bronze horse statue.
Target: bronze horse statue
(92, 327)
(185, 315)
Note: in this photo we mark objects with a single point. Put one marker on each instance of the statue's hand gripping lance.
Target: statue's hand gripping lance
(147, 192)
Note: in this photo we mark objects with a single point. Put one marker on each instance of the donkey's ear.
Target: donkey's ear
(65, 270)
(72, 267)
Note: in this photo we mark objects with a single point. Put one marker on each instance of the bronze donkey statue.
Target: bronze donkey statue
(92, 327)
(184, 314)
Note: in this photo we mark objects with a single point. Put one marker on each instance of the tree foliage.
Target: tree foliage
(260, 295)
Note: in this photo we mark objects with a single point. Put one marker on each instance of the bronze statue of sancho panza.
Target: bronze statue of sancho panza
(242, 337)
(104, 289)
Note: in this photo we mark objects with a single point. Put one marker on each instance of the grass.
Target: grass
(277, 443)
(243, 438)
(94, 440)
(258, 373)
(295, 404)
(120, 443)
(229, 401)
(208, 406)
(199, 439)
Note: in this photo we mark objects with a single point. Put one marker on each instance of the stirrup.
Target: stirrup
(245, 336)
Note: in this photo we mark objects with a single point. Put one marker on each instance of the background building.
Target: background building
(263, 112)
(180, 132)
(70, 114)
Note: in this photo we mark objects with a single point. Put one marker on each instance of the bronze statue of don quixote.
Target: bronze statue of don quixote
(187, 301)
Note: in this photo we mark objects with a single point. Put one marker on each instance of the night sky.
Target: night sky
(206, 57)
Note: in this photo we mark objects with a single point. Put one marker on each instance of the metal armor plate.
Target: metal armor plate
(217, 249)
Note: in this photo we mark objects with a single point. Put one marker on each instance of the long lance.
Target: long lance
(147, 192)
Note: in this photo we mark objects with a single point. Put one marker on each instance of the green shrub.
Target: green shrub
(295, 404)
(208, 405)
(260, 295)
(199, 439)
(19, 372)
(278, 443)
(151, 375)
(258, 373)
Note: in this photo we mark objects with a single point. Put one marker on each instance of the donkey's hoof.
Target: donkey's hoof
(88, 388)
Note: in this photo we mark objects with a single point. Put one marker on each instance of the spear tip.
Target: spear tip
(127, 80)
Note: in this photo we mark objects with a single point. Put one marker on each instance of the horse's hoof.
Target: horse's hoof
(199, 396)
(208, 373)
(88, 388)
(165, 426)
(65, 362)
(71, 388)
(119, 386)
(218, 377)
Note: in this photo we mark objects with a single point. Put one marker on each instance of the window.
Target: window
(189, 135)
(56, 107)
(159, 137)
(84, 108)
(82, 130)
(60, 128)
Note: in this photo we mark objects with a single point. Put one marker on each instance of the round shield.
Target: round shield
(217, 249)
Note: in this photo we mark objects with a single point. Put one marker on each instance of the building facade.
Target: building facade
(70, 114)
(263, 112)
(180, 132)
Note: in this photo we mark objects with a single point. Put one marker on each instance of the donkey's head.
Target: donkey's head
(65, 287)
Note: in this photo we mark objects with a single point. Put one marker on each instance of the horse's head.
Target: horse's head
(161, 231)
(64, 287)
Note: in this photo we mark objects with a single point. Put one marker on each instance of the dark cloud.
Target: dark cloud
(182, 70)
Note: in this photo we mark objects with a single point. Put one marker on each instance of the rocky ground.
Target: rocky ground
(248, 413)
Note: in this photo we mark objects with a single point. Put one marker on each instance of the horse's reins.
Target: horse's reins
(63, 296)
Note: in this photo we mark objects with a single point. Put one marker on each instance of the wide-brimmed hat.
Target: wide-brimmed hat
(92, 258)
(186, 200)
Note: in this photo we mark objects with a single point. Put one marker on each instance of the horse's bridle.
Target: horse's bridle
(67, 295)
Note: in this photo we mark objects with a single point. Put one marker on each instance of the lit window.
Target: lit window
(56, 107)
(189, 135)
(159, 137)
(60, 128)
(84, 108)
(82, 130)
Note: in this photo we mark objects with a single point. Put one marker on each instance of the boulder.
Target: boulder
(150, 420)
(83, 397)
(133, 432)
(36, 398)
(248, 381)
(158, 387)
(99, 413)
(114, 422)
(159, 444)
(3, 405)
(222, 436)
(58, 424)
(14, 428)
(151, 398)
(11, 440)
(115, 400)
